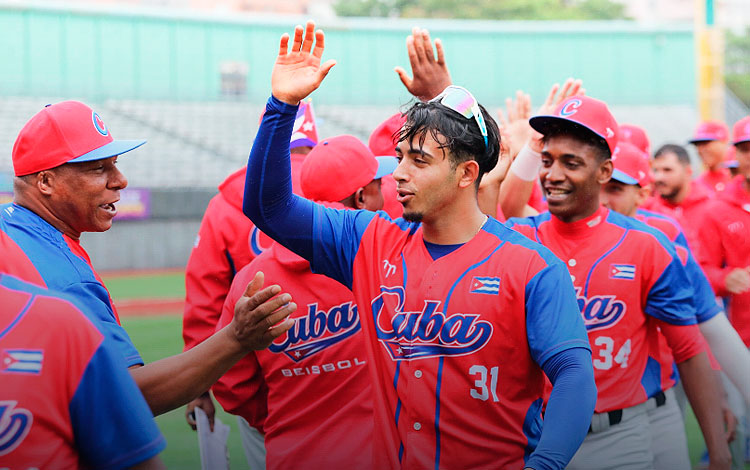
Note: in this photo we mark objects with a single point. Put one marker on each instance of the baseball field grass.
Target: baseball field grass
(160, 335)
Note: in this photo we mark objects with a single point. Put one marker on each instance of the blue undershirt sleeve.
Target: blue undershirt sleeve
(569, 409)
(268, 200)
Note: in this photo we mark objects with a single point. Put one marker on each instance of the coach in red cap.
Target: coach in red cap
(67, 182)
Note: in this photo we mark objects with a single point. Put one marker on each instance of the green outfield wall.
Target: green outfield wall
(104, 53)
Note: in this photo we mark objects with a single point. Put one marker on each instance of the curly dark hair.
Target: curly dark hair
(461, 137)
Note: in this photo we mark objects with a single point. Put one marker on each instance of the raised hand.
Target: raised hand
(298, 72)
(571, 87)
(261, 315)
(515, 130)
(430, 75)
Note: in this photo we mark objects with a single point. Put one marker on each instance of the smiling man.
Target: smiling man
(629, 279)
(461, 316)
(67, 183)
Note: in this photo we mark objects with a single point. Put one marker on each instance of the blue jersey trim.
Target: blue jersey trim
(651, 379)
(3, 278)
(601, 258)
(437, 412)
(532, 427)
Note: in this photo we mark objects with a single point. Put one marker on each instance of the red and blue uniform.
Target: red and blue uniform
(64, 266)
(66, 399)
(626, 275)
(704, 300)
(724, 234)
(309, 392)
(227, 241)
(456, 343)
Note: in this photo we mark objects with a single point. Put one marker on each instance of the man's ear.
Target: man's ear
(45, 182)
(359, 198)
(605, 171)
(467, 173)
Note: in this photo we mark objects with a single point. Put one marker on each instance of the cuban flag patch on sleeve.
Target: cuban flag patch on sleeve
(28, 361)
(485, 285)
(622, 271)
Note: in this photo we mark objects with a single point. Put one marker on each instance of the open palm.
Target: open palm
(298, 72)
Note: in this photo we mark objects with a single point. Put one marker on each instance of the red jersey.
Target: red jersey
(456, 342)
(66, 401)
(715, 181)
(625, 274)
(315, 377)
(226, 242)
(706, 306)
(689, 213)
(724, 232)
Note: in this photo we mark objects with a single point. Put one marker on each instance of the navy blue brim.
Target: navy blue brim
(116, 147)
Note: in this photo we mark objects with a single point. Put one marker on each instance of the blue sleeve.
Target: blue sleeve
(704, 300)
(326, 237)
(93, 299)
(569, 410)
(671, 297)
(268, 200)
(553, 318)
(112, 424)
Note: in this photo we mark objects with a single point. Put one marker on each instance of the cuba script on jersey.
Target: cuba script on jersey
(425, 333)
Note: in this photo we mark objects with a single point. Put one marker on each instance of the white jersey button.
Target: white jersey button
(418, 374)
(417, 426)
(571, 262)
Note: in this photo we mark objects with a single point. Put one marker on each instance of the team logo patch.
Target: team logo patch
(600, 311)
(485, 285)
(622, 271)
(99, 124)
(426, 333)
(571, 107)
(15, 424)
(317, 331)
(26, 361)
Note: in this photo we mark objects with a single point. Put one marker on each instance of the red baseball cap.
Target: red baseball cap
(336, 167)
(631, 165)
(635, 135)
(710, 130)
(65, 132)
(581, 112)
(381, 140)
(741, 131)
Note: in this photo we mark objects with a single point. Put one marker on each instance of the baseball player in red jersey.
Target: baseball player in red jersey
(382, 143)
(628, 277)
(460, 315)
(710, 139)
(55, 368)
(624, 193)
(226, 242)
(726, 258)
(678, 195)
(320, 364)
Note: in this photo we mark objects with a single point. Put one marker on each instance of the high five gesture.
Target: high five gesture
(298, 72)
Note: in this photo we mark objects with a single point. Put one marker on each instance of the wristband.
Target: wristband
(527, 164)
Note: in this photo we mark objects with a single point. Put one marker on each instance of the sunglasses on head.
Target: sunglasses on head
(460, 100)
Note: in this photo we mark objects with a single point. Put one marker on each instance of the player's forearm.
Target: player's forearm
(730, 352)
(487, 198)
(569, 410)
(705, 398)
(174, 381)
(516, 189)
